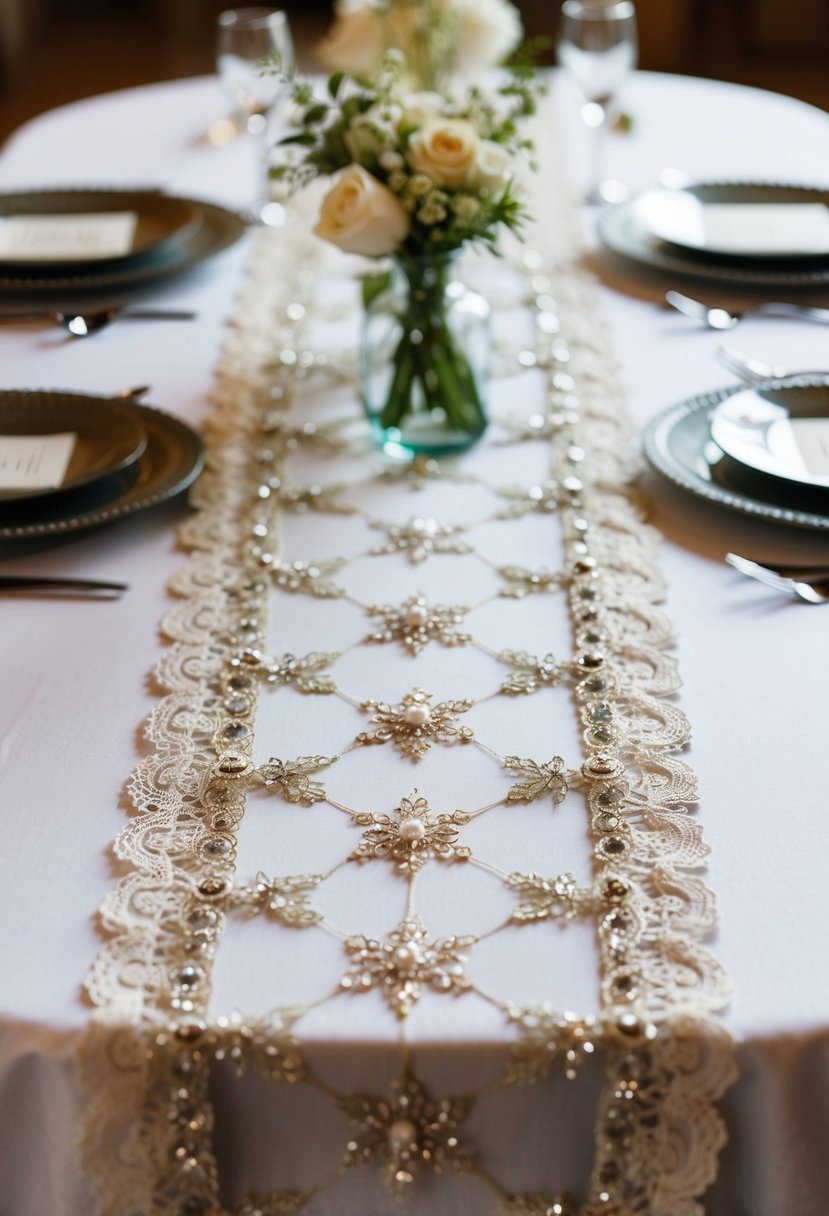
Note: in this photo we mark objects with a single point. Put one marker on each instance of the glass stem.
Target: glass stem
(257, 125)
(595, 117)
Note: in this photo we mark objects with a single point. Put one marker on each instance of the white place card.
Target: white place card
(775, 228)
(35, 462)
(772, 229)
(812, 438)
(69, 238)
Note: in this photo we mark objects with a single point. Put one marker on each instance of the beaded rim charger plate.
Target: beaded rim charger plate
(679, 444)
(172, 460)
(622, 231)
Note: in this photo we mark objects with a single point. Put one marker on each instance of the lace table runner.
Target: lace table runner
(463, 818)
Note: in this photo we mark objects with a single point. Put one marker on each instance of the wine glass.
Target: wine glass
(246, 37)
(597, 45)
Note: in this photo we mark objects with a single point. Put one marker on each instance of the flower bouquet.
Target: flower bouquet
(416, 178)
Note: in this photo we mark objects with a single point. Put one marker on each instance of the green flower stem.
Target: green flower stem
(429, 365)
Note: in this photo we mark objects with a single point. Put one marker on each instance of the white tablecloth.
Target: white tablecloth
(74, 674)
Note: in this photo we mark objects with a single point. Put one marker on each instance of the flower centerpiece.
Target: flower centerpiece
(416, 178)
(440, 40)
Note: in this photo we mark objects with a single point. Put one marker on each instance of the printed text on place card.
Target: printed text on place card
(35, 462)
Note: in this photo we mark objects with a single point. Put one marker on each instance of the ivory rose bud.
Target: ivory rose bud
(492, 169)
(355, 41)
(445, 149)
(361, 215)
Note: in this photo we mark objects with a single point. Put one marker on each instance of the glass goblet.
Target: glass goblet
(597, 46)
(246, 38)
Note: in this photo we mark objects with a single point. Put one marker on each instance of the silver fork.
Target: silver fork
(753, 371)
(812, 590)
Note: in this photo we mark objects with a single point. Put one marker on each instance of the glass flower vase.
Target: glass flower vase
(424, 358)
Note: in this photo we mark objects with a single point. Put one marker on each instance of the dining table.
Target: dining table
(369, 1034)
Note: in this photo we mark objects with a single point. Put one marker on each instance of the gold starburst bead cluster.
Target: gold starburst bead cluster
(414, 724)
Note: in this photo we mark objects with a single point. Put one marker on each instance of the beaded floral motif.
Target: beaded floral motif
(414, 724)
(310, 578)
(547, 1037)
(293, 777)
(417, 622)
(315, 498)
(521, 582)
(304, 673)
(539, 779)
(407, 1133)
(524, 500)
(406, 961)
(285, 899)
(530, 673)
(420, 538)
(412, 835)
(558, 898)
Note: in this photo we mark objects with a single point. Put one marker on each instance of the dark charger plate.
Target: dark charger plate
(216, 229)
(109, 435)
(171, 461)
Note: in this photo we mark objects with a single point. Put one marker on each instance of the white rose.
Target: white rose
(492, 169)
(420, 108)
(488, 31)
(355, 41)
(361, 215)
(445, 149)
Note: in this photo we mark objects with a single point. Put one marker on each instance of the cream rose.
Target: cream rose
(362, 32)
(361, 215)
(355, 41)
(445, 149)
(488, 31)
(492, 169)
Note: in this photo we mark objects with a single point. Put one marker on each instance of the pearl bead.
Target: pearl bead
(418, 614)
(412, 829)
(402, 1134)
(406, 957)
(417, 715)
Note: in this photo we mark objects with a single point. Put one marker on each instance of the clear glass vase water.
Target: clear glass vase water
(424, 358)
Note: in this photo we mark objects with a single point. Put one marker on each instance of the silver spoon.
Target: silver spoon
(812, 590)
(753, 371)
(721, 318)
(82, 324)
